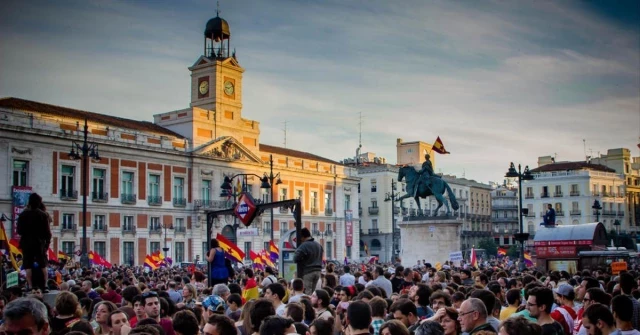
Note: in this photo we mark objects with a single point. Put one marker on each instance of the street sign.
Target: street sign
(12, 279)
(246, 209)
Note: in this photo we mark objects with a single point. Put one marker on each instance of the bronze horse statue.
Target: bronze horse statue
(437, 189)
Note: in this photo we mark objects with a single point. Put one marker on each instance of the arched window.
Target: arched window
(375, 244)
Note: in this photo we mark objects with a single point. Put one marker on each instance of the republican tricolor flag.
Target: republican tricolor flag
(274, 252)
(474, 259)
(502, 252)
(232, 252)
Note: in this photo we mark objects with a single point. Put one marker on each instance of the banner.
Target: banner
(348, 224)
(455, 256)
(20, 196)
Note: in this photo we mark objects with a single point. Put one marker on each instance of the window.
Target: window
(358, 187)
(67, 221)
(314, 227)
(155, 246)
(266, 246)
(179, 252)
(558, 207)
(266, 226)
(575, 206)
(247, 248)
(154, 185)
(283, 194)
(374, 202)
(530, 210)
(127, 183)
(67, 180)
(374, 187)
(179, 227)
(299, 194)
(314, 200)
(20, 172)
(127, 223)
(374, 223)
(327, 201)
(127, 253)
(329, 227)
(347, 202)
(98, 183)
(558, 190)
(283, 228)
(100, 248)
(574, 190)
(68, 248)
(348, 255)
(206, 190)
(178, 187)
(99, 222)
(154, 223)
(328, 250)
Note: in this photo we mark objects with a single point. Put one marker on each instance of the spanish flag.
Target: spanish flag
(274, 252)
(63, 256)
(502, 252)
(7, 248)
(250, 290)
(232, 252)
(438, 147)
(474, 259)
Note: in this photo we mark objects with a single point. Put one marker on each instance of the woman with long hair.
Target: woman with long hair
(189, 296)
(102, 311)
(219, 272)
(393, 327)
(244, 322)
(68, 312)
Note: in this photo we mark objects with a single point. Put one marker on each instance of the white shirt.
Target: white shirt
(347, 279)
(280, 310)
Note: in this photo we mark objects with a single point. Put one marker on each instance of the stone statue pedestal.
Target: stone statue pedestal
(431, 238)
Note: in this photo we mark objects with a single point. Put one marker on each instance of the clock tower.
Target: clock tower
(216, 77)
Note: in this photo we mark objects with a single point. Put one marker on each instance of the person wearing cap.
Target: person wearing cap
(565, 313)
(308, 256)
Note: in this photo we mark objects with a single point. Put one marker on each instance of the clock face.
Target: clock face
(228, 87)
(204, 87)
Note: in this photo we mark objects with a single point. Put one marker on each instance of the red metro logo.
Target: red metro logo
(246, 209)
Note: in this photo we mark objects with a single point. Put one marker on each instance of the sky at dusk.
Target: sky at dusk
(498, 81)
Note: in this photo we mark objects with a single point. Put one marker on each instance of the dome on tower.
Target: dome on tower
(217, 29)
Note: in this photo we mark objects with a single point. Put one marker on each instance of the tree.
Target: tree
(489, 245)
(513, 251)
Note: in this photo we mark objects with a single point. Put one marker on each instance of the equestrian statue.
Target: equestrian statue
(423, 183)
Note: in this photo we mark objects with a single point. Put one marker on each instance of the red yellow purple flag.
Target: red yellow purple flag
(274, 252)
(232, 252)
(438, 147)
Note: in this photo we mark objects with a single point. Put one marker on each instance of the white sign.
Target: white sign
(455, 256)
(248, 232)
(432, 229)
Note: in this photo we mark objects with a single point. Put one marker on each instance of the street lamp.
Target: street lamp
(272, 178)
(391, 197)
(228, 191)
(596, 207)
(521, 237)
(84, 151)
(166, 248)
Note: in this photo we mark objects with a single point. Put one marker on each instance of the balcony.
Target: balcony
(128, 230)
(128, 199)
(530, 215)
(179, 202)
(214, 204)
(155, 230)
(574, 194)
(609, 213)
(154, 200)
(405, 211)
(557, 195)
(69, 228)
(374, 210)
(559, 213)
(102, 228)
(505, 207)
(314, 211)
(360, 211)
(595, 194)
(528, 196)
(396, 210)
(68, 195)
(544, 195)
(328, 211)
(180, 229)
(374, 231)
(503, 219)
(266, 231)
(99, 196)
(575, 213)
(606, 194)
(315, 232)
(284, 210)
(328, 233)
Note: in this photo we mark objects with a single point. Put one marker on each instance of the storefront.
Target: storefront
(558, 248)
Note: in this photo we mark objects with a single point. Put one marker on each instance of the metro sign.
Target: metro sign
(246, 209)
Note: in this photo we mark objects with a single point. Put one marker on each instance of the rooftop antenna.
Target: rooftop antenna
(358, 151)
(464, 173)
(584, 145)
(218, 8)
(285, 133)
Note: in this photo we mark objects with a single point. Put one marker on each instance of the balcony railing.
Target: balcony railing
(314, 211)
(396, 210)
(559, 213)
(544, 195)
(180, 229)
(284, 210)
(328, 211)
(266, 231)
(374, 231)
(574, 194)
(219, 204)
(575, 212)
(596, 194)
(128, 230)
(69, 227)
(154, 200)
(128, 199)
(557, 195)
(405, 211)
(531, 215)
(99, 196)
(606, 194)
(179, 202)
(374, 210)
(68, 194)
(315, 232)
(529, 196)
(328, 232)
(609, 213)
(505, 207)
(100, 228)
(155, 230)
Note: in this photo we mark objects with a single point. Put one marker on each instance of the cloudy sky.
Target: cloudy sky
(498, 81)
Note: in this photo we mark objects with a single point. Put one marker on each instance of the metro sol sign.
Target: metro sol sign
(246, 209)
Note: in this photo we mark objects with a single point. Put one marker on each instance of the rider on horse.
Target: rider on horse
(425, 175)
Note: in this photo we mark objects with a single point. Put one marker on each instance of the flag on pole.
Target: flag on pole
(7, 247)
(474, 260)
(528, 261)
(267, 259)
(502, 252)
(366, 249)
(232, 252)
(150, 263)
(257, 260)
(63, 256)
(438, 147)
(274, 252)
(345, 261)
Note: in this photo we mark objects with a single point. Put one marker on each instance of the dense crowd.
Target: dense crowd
(352, 299)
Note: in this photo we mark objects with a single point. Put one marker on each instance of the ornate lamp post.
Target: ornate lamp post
(596, 208)
(166, 248)
(84, 151)
(272, 178)
(521, 237)
(391, 197)
(228, 191)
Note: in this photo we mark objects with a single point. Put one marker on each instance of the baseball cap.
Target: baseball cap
(214, 304)
(564, 290)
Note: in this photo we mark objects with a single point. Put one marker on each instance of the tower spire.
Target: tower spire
(218, 8)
